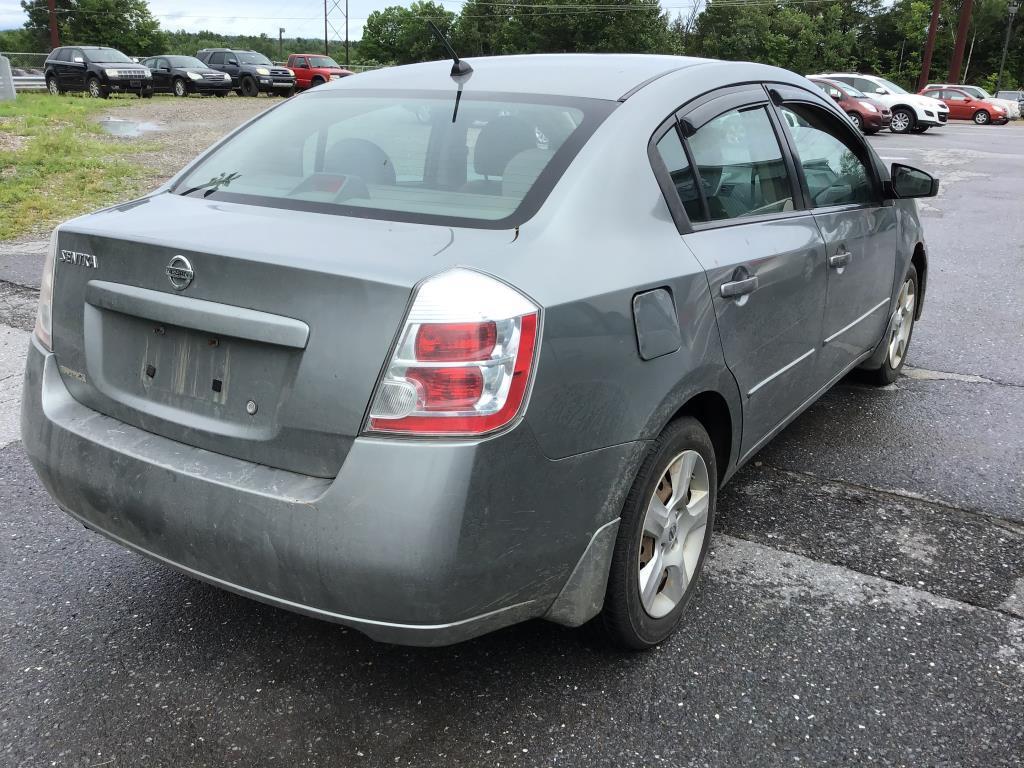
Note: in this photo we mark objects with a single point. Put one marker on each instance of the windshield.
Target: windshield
(325, 62)
(405, 158)
(253, 58)
(107, 55)
(892, 87)
(851, 91)
(185, 61)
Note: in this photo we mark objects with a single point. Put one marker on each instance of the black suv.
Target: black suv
(97, 70)
(251, 72)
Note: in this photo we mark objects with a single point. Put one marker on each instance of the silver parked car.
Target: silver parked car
(428, 354)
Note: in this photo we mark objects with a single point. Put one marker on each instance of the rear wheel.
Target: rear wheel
(250, 87)
(95, 89)
(981, 117)
(857, 120)
(663, 538)
(902, 120)
(220, 94)
(901, 332)
(53, 87)
(180, 88)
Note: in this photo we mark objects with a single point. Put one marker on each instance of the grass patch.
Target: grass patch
(56, 162)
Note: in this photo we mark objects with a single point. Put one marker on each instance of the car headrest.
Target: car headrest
(522, 171)
(359, 157)
(499, 141)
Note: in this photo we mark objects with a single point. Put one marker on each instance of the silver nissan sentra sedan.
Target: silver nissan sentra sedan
(430, 351)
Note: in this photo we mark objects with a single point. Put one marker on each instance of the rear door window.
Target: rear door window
(670, 148)
(740, 165)
(216, 58)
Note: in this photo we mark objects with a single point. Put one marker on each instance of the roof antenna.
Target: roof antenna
(459, 67)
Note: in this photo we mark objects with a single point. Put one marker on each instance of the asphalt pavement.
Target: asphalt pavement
(863, 605)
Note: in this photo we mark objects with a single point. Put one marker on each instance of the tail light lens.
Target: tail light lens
(44, 312)
(463, 362)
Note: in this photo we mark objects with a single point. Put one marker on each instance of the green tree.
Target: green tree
(401, 35)
(124, 24)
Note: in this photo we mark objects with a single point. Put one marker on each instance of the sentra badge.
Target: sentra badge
(79, 259)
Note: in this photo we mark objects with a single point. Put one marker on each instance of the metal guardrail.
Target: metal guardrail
(27, 69)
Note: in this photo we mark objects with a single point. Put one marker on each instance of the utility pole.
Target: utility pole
(280, 42)
(326, 52)
(929, 47)
(957, 60)
(54, 31)
(970, 52)
(346, 33)
(1006, 42)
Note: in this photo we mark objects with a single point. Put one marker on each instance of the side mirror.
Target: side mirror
(907, 182)
(880, 90)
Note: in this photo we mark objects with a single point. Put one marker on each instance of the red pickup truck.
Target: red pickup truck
(312, 69)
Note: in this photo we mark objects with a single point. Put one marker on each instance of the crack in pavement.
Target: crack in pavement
(924, 374)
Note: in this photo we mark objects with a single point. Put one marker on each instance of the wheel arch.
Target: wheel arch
(711, 409)
(903, 105)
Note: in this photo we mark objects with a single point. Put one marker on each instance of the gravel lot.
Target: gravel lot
(185, 127)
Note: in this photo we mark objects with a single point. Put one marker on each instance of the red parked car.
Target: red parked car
(312, 69)
(964, 106)
(869, 115)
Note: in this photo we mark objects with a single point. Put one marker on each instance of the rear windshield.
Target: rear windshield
(487, 161)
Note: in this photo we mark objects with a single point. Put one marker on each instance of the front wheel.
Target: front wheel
(919, 129)
(902, 121)
(857, 120)
(250, 87)
(663, 538)
(900, 332)
(981, 117)
(95, 89)
(179, 87)
(53, 87)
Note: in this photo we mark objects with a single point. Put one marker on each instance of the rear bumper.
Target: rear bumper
(424, 543)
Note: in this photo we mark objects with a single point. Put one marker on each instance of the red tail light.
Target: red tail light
(463, 363)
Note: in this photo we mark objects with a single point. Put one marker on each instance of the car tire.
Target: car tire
(220, 94)
(898, 337)
(871, 131)
(249, 87)
(286, 94)
(903, 120)
(857, 121)
(95, 89)
(675, 556)
(146, 95)
(316, 81)
(919, 128)
(179, 88)
(53, 86)
(981, 117)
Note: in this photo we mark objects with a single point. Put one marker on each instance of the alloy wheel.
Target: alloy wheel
(981, 117)
(179, 88)
(900, 336)
(900, 121)
(673, 534)
(51, 86)
(94, 88)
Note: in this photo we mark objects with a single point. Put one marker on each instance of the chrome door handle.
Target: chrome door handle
(739, 287)
(839, 259)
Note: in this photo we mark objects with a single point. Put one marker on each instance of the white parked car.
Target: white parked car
(1012, 106)
(911, 113)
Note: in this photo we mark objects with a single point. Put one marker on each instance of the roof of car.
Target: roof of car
(590, 75)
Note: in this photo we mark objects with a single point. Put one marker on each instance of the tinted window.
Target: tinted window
(400, 157)
(835, 174)
(64, 54)
(217, 58)
(184, 61)
(865, 85)
(740, 165)
(671, 150)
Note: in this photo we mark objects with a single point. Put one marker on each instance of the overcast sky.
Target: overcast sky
(302, 18)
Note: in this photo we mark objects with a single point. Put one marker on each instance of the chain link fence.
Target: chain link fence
(27, 70)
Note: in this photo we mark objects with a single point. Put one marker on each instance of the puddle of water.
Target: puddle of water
(129, 129)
